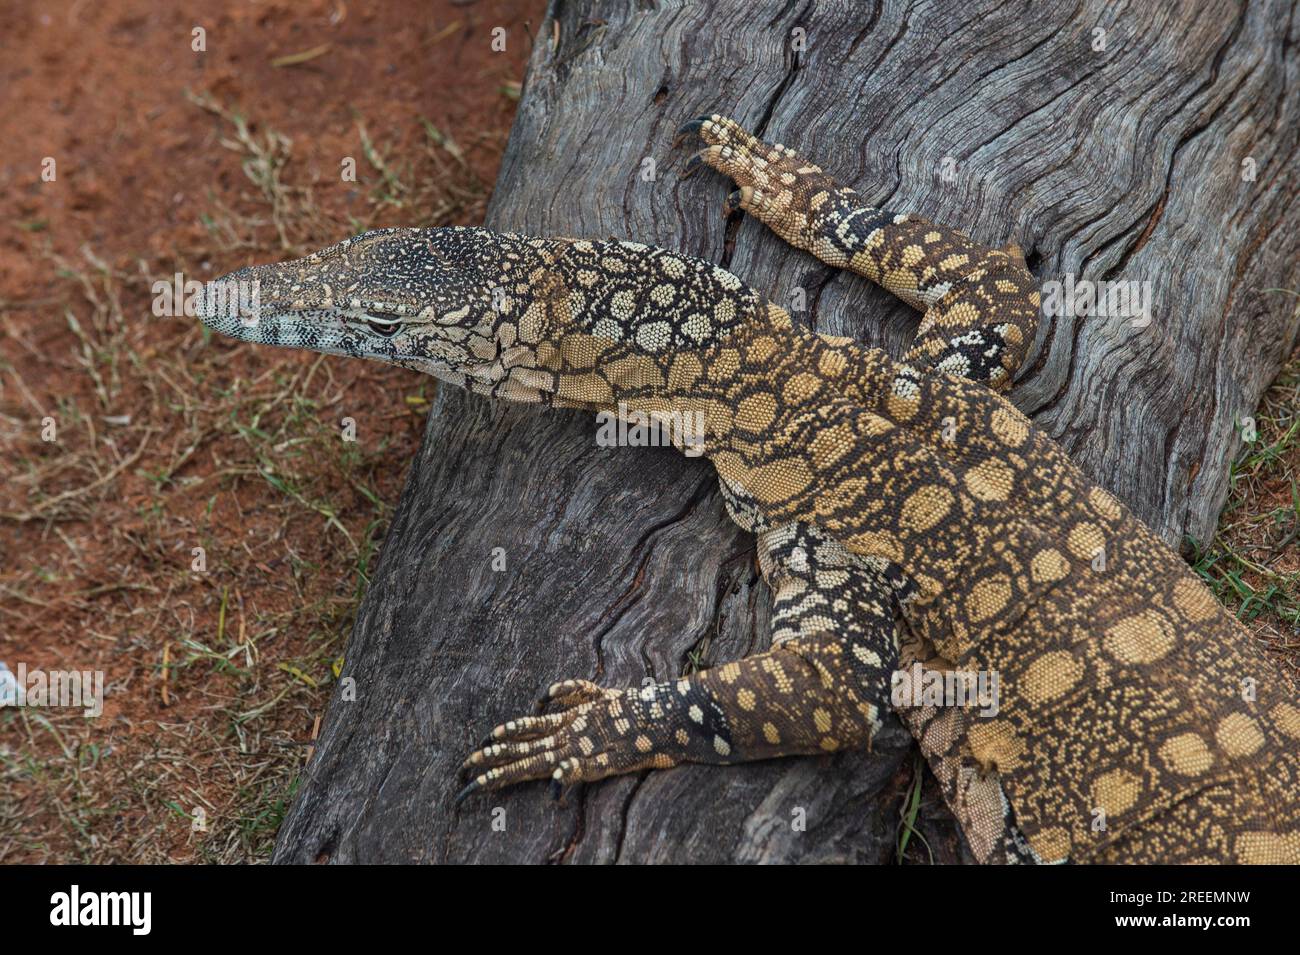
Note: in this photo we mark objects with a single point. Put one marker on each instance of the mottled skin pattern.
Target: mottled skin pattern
(1128, 695)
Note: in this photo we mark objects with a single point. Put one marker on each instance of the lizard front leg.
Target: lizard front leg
(710, 717)
(821, 688)
(979, 303)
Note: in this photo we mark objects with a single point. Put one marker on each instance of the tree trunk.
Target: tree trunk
(1111, 143)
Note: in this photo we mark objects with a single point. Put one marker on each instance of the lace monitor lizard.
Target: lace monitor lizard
(906, 514)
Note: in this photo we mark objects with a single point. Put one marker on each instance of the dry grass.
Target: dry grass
(1253, 563)
(167, 441)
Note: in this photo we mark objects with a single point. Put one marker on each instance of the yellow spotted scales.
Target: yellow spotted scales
(905, 512)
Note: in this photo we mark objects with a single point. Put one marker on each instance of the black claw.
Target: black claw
(692, 165)
(487, 741)
(688, 127)
(557, 789)
(732, 203)
(465, 793)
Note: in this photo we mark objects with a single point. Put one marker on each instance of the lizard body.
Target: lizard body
(877, 489)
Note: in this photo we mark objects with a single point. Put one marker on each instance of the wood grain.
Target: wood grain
(1001, 118)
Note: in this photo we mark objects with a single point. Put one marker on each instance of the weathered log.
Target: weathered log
(1111, 143)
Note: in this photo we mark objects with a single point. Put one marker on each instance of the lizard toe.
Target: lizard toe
(536, 766)
(503, 754)
(570, 693)
(526, 728)
(718, 130)
(745, 168)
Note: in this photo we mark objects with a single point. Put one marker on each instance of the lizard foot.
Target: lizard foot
(795, 698)
(595, 733)
(772, 178)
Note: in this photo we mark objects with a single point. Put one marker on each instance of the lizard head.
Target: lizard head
(526, 319)
(420, 298)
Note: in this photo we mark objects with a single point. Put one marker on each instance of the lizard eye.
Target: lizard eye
(382, 323)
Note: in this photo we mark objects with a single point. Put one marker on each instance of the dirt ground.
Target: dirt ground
(128, 441)
(166, 160)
